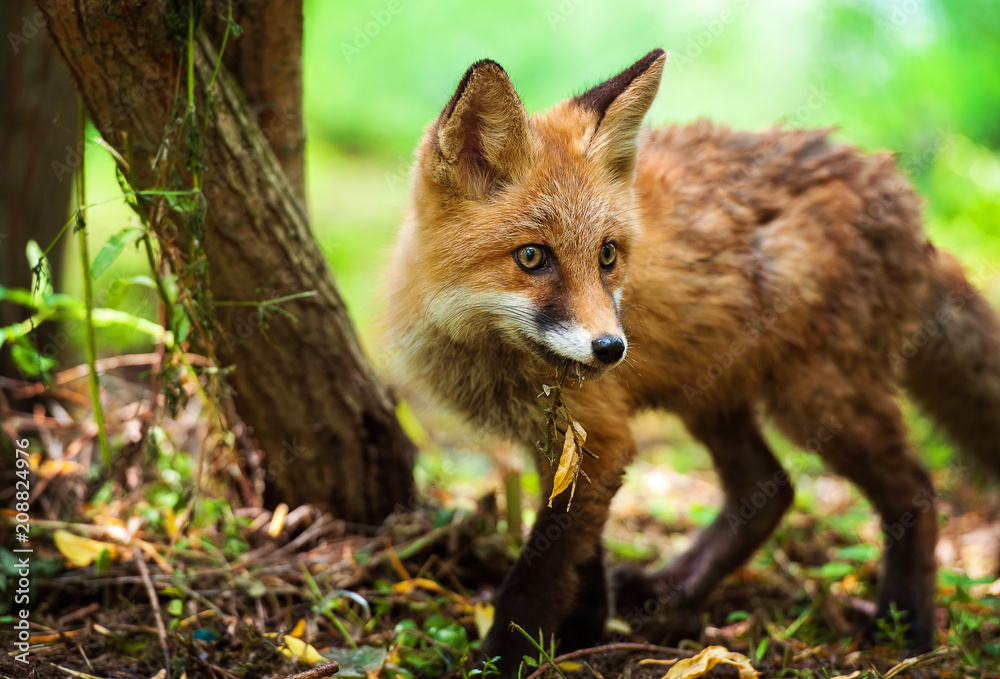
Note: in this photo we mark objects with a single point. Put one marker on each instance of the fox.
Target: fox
(727, 277)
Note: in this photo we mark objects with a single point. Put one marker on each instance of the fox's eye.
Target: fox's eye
(608, 255)
(531, 257)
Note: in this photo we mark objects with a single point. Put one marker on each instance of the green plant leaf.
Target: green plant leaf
(28, 360)
(116, 293)
(41, 275)
(175, 607)
(109, 253)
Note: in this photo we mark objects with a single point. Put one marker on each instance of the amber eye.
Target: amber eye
(531, 257)
(608, 255)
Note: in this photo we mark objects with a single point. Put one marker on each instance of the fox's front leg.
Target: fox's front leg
(540, 593)
(558, 586)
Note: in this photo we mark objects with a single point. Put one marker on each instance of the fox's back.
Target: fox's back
(761, 247)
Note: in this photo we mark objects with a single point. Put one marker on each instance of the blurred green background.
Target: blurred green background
(918, 77)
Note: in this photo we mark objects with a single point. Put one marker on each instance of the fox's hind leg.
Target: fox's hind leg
(856, 427)
(758, 491)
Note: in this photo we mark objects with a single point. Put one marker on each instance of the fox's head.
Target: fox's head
(522, 228)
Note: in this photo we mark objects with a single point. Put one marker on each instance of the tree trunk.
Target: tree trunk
(266, 61)
(325, 423)
(37, 129)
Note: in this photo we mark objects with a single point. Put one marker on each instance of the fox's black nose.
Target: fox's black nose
(608, 349)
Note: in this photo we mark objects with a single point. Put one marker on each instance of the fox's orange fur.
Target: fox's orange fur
(774, 272)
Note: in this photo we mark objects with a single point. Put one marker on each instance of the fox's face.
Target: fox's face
(522, 229)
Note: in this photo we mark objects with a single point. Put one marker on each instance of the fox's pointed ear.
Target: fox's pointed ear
(618, 106)
(482, 134)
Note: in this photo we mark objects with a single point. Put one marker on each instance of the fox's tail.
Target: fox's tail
(955, 376)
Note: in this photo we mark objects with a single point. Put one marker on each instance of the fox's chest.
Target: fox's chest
(495, 387)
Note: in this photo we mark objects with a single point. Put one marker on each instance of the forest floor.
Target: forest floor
(167, 566)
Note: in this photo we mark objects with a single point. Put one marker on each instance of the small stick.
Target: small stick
(79, 613)
(155, 601)
(318, 672)
(621, 646)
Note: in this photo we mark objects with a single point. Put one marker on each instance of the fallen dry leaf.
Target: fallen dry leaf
(691, 668)
(300, 652)
(81, 551)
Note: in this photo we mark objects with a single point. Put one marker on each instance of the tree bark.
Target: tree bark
(37, 129)
(325, 423)
(266, 61)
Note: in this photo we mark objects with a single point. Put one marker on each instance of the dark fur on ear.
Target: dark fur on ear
(482, 133)
(599, 97)
(464, 82)
(618, 107)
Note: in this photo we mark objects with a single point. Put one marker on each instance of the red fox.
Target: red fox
(719, 275)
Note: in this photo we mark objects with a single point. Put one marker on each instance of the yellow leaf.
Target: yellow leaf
(570, 666)
(581, 433)
(483, 615)
(299, 629)
(81, 551)
(569, 463)
(691, 668)
(407, 586)
(278, 520)
(49, 469)
(853, 675)
(299, 651)
(170, 522)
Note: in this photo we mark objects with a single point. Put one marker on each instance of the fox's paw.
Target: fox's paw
(651, 604)
(632, 591)
(893, 626)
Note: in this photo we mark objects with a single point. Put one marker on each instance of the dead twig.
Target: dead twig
(318, 672)
(154, 600)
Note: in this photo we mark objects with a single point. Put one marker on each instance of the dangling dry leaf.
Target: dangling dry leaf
(81, 551)
(569, 464)
(691, 668)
